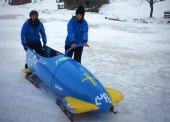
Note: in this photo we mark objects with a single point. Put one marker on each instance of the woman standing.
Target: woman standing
(31, 32)
(77, 36)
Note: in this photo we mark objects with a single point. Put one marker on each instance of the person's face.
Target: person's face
(34, 17)
(79, 17)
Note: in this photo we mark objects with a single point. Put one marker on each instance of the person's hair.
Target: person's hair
(80, 10)
(33, 12)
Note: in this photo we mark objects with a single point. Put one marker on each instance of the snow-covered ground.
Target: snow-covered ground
(136, 11)
(133, 58)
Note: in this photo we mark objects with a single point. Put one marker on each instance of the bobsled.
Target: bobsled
(79, 90)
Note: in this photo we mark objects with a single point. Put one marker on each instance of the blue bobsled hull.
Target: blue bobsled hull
(72, 81)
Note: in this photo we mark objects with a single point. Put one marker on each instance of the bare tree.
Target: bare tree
(151, 2)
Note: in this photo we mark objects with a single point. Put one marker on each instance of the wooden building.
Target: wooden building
(91, 5)
(18, 2)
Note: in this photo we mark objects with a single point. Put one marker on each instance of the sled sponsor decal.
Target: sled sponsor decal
(60, 60)
(104, 96)
(32, 59)
(58, 87)
(42, 61)
(89, 78)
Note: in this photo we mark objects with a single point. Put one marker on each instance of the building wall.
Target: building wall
(19, 2)
(72, 4)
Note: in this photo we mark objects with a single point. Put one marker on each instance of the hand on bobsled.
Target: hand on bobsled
(44, 43)
(85, 44)
(25, 47)
(73, 45)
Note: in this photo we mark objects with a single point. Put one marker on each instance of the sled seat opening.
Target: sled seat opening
(49, 52)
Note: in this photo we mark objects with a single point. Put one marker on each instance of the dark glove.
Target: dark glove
(44, 45)
(44, 42)
(25, 47)
(85, 44)
(73, 45)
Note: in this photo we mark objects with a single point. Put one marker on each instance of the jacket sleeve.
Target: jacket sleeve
(70, 30)
(86, 29)
(43, 34)
(24, 33)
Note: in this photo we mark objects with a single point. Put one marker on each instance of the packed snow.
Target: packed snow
(131, 57)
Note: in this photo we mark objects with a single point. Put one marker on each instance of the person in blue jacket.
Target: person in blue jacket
(31, 31)
(77, 36)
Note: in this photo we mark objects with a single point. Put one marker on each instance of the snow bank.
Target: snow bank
(136, 11)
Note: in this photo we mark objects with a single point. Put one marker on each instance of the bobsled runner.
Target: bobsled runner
(79, 90)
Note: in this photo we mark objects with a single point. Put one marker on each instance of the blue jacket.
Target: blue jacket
(77, 32)
(30, 34)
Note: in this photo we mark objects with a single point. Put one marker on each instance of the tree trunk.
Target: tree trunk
(151, 6)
